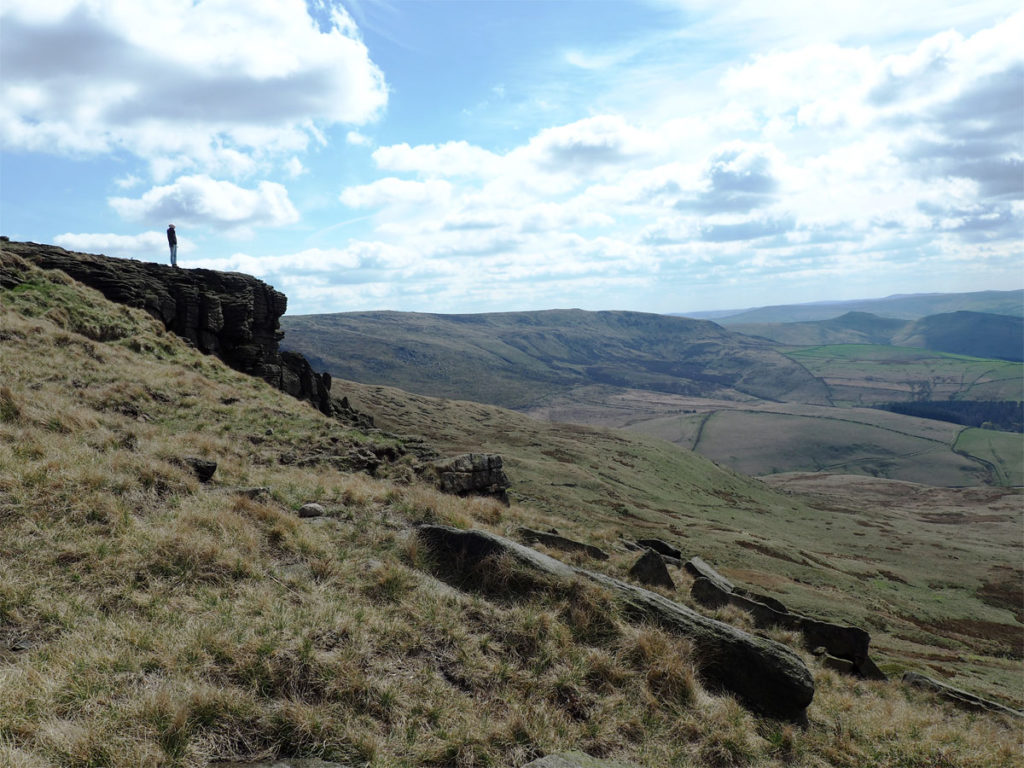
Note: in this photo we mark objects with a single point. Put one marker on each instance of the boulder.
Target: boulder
(479, 474)
(767, 676)
(555, 541)
(845, 642)
(959, 697)
(576, 760)
(312, 510)
(203, 469)
(650, 570)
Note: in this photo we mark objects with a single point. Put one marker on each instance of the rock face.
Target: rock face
(650, 569)
(227, 314)
(469, 474)
(767, 676)
(844, 642)
(955, 695)
(555, 541)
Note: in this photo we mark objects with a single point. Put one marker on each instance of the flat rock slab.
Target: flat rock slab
(698, 568)
(576, 760)
(842, 641)
(555, 541)
(767, 676)
(956, 696)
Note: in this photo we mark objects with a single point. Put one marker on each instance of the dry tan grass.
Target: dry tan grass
(149, 620)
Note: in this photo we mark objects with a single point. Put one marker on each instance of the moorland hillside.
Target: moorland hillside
(745, 402)
(517, 359)
(154, 614)
(978, 334)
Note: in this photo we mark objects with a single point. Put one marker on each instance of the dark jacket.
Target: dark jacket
(172, 239)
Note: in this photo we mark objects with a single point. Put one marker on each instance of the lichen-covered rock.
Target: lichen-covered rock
(479, 474)
(312, 509)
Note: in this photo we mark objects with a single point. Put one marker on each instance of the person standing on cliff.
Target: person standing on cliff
(172, 241)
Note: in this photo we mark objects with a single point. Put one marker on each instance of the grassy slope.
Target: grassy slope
(980, 334)
(516, 359)
(613, 483)
(148, 620)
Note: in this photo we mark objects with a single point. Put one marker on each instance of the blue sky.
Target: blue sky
(664, 156)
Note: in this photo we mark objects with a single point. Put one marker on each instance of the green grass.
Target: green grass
(150, 620)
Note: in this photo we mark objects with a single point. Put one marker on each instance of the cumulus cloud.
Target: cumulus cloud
(207, 85)
(392, 191)
(147, 246)
(200, 200)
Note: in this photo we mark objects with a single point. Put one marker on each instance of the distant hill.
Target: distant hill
(517, 359)
(903, 307)
(978, 334)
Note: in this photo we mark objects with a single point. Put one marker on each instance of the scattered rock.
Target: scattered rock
(203, 468)
(845, 642)
(661, 547)
(956, 696)
(650, 569)
(478, 474)
(576, 760)
(767, 676)
(312, 510)
(555, 541)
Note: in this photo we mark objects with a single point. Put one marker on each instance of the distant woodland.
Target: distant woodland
(1006, 415)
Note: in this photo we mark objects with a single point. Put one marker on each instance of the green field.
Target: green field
(867, 374)
(1003, 450)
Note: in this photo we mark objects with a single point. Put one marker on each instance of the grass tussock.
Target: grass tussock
(147, 619)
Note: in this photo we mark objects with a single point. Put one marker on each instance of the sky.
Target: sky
(465, 156)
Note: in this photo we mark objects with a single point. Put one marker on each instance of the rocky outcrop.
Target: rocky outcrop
(844, 642)
(961, 698)
(650, 570)
(765, 675)
(227, 314)
(555, 541)
(471, 474)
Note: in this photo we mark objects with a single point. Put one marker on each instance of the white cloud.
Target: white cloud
(294, 167)
(455, 158)
(210, 85)
(147, 246)
(393, 191)
(200, 200)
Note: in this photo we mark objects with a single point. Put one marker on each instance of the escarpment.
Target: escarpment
(228, 314)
